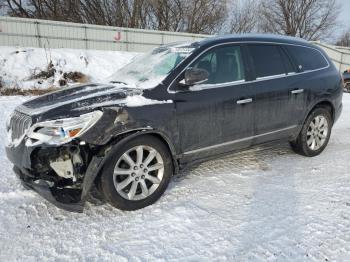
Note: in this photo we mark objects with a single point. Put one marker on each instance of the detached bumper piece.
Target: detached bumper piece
(67, 199)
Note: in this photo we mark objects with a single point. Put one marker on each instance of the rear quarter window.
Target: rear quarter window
(307, 58)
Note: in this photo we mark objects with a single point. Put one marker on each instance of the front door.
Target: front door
(216, 116)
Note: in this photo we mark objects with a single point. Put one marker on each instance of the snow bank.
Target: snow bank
(18, 65)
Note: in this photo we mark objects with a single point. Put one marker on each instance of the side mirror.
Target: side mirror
(195, 76)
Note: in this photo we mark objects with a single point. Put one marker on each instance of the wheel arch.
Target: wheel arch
(325, 104)
(98, 162)
(127, 136)
(322, 103)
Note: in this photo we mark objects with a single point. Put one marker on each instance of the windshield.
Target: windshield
(148, 70)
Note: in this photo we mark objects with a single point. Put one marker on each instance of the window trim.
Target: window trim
(270, 76)
(200, 87)
(249, 81)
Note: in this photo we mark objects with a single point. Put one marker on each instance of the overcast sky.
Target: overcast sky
(345, 14)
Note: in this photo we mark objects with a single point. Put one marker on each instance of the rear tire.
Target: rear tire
(136, 173)
(315, 133)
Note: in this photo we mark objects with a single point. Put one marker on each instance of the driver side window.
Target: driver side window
(224, 64)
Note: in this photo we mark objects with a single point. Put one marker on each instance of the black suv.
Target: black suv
(179, 104)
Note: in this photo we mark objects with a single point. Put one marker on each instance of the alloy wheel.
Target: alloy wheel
(138, 172)
(317, 132)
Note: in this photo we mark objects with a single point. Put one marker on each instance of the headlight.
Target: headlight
(61, 131)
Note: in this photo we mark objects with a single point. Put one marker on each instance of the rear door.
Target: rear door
(273, 112)
(310, 81)
(214, 116)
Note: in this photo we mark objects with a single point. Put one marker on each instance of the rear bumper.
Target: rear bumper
(62, 199)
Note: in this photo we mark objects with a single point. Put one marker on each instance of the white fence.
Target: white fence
(339, 55)
(44, 33)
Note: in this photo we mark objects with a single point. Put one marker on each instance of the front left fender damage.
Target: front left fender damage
(58, 174)
(65, 174)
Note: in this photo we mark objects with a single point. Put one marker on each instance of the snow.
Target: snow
(19, 64)
(132, 101)
(264, 204)
(139, 100)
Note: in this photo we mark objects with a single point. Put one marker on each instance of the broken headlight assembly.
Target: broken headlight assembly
(61, 131)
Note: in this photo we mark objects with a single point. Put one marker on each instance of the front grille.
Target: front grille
(19, 124)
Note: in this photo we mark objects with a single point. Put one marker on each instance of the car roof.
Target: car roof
(271, 38)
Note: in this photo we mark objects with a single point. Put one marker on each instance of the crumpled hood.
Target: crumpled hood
(66, 101)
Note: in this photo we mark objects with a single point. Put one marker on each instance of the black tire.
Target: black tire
(107, 180)
(300, 145)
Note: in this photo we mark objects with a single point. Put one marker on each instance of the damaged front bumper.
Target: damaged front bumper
(62, 175)
(70, 201)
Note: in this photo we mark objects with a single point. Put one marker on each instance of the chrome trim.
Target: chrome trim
(297, 91)
(237, 141)
(244, 101)
(270, 77)
(252, 81)
(211, 86)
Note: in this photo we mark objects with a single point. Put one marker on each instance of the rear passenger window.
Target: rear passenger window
(224, 64)
(267, 60)
(290, 68)
(307, 58)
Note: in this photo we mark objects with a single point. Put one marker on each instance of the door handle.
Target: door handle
(244, 101)
(297, 91)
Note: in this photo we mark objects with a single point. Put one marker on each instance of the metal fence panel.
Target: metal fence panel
(40, 33)
(339, 55)
(44, 33)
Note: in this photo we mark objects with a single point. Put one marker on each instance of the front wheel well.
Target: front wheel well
(133, 134)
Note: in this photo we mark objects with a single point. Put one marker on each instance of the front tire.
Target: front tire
(136, 173)
(315, 133)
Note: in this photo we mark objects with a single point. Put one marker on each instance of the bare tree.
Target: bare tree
(204, 16)
(344, 39)
(2, 4)
(308, 19)
(196, 16)
(167, 15)
(243, 16)
(18, 8)
(61, 10)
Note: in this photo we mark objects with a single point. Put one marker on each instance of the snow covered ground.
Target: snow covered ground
(19, 64)
(261, 205)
